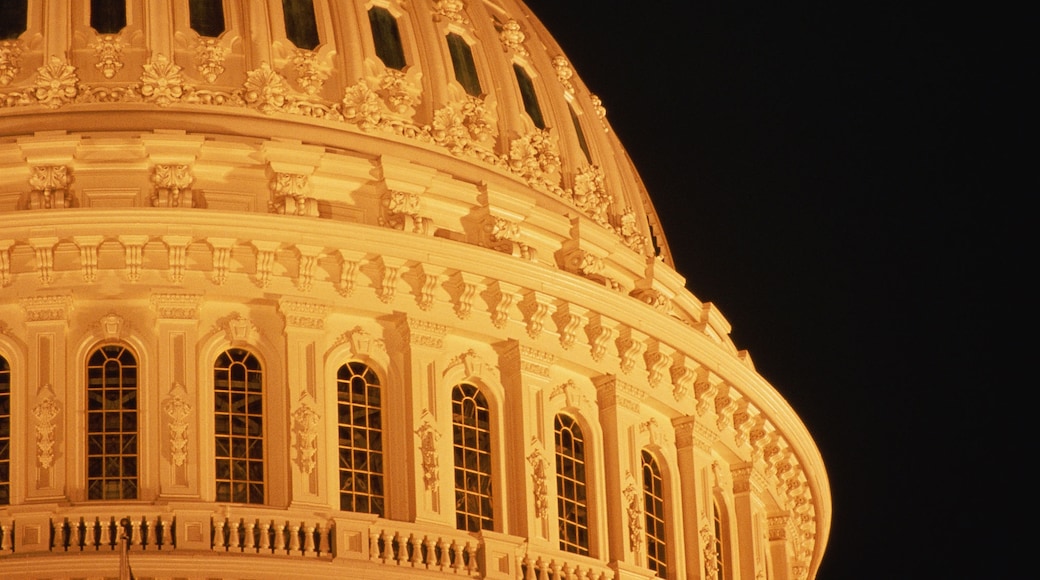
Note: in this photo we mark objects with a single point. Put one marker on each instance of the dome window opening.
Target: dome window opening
(387, 38)
(112, 424)
(5, 432)
(653, 500)
(360, 439)
(571, 486)
(464, 65)
(13, 18)
(471, 432)
(301, 25)
(530, 98)
(108, 16)
(581, 134)
(207, 17)
(238, 407)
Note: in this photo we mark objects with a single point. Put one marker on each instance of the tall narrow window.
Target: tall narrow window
(13, 18)
(238, 406)
(108, 16)
(471, 430)
(206, 17)
(523, 80)
(581, 134)
(387, 37)
(112, 423)
(5, 432)
(360, 439)
(465, 67)
(301, 26)
(653, 501)
(571, 493)
(720, 565)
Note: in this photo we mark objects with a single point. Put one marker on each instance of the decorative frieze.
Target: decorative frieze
(612, 391)
(424, 333)
(303, 314)
(535, 361)
(46, 308)
(589, 194)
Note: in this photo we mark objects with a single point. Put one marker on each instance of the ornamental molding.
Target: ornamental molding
(305, 427)
(428, 436)
(564, 73)
(654, 435)
(401, 211)
(45, 412)
(176, 306)
(56, 83)
(112, 326)
(682, 381)
(600, 111)
(360, 342)
(536, 361)
(634, 511)
(171, 182)
(49, 187)
(10, 60)
(312, 69)
(291, 194)
(589, 194)
(721, 478)
(238, 330)
(47, 308)
(612, 391)
(725, 405)
(535, 157)
(450, 10)
(423, 332)
(108, 52)
(569, 319)
(177, 410)
(473, 365)
(162, 82)
(573, 396)
(539, 487)
(466, 127)
(209, 56)
(512, 37)
(707, 537)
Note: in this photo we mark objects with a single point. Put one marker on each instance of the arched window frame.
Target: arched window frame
(655, 512)
(264, 496)
(538, 116)
(721, 547)
(376, 477)
(100, 450)
(589, 456)
(5, 430)
(477, 461)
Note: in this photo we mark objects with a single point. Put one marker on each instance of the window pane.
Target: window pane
(465, 67)
(13, 18)
(360, 441)
(207, 17)
(107, 16)
(301, 26)
(387, 37)
(530, 98)
(653, 502)
(238, 424)
(571, 498)
(472, 442)
(112, 423)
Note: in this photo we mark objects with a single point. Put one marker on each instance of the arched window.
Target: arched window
(5, 432)
(238, 406)
(360, 439)
(387, 37)
(108, 16)
(571, 493)
(301, 25)
(465, 67)
(112, 423)
(530, 98)
(653, 501)
(471, 432)
(720, 563)
(13, 18)
(207, 17)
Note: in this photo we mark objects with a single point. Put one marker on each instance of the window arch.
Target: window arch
(112, 423)
(360, 439)
(238, 406)
(471, 432)
(5, 432)
(571, 486)
(653, 501)
(387, 37)
(464, 65)
(720, 545)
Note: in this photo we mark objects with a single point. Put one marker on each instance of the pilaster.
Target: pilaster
(693, 441)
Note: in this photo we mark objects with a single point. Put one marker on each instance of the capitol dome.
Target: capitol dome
(337, 288)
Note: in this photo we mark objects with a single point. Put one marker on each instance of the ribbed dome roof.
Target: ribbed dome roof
(483, 82)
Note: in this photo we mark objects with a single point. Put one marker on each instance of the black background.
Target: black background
(833, 177)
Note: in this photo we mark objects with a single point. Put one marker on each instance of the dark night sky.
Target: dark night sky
(825, 178)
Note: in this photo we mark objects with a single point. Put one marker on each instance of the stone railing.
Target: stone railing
(78, 533)
(262, 534)
(409, 545)
(559, 566)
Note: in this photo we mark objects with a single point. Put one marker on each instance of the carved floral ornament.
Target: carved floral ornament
(177, 410)
(305, 427)
(539, 486)
(428, 437)
(108, 50)
(45, 412)
(513, 37)
(10, 60)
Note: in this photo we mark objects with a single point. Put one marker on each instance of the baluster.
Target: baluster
(234, 537)
(265, 536)
(308, 540)
(279, 537)
(76, 534)
(250, 541)
(471, 551)
(431, 553)
(150, 537)
(373, 545)
(135, 533)
(5, 537)
(460, 561)
(114, 531)
(294, 538)
(567, 571)
(381, 537)
(444, 558)
(168, 539)
(555, 567)
(543, 569)
(412, 543)
(527, 566)
(218, 534)
(402, 548)
(320, 545)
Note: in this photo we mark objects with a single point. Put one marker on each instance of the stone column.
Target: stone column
(693, 441)
(748, 486)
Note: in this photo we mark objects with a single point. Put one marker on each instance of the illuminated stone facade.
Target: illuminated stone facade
(393, 304)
